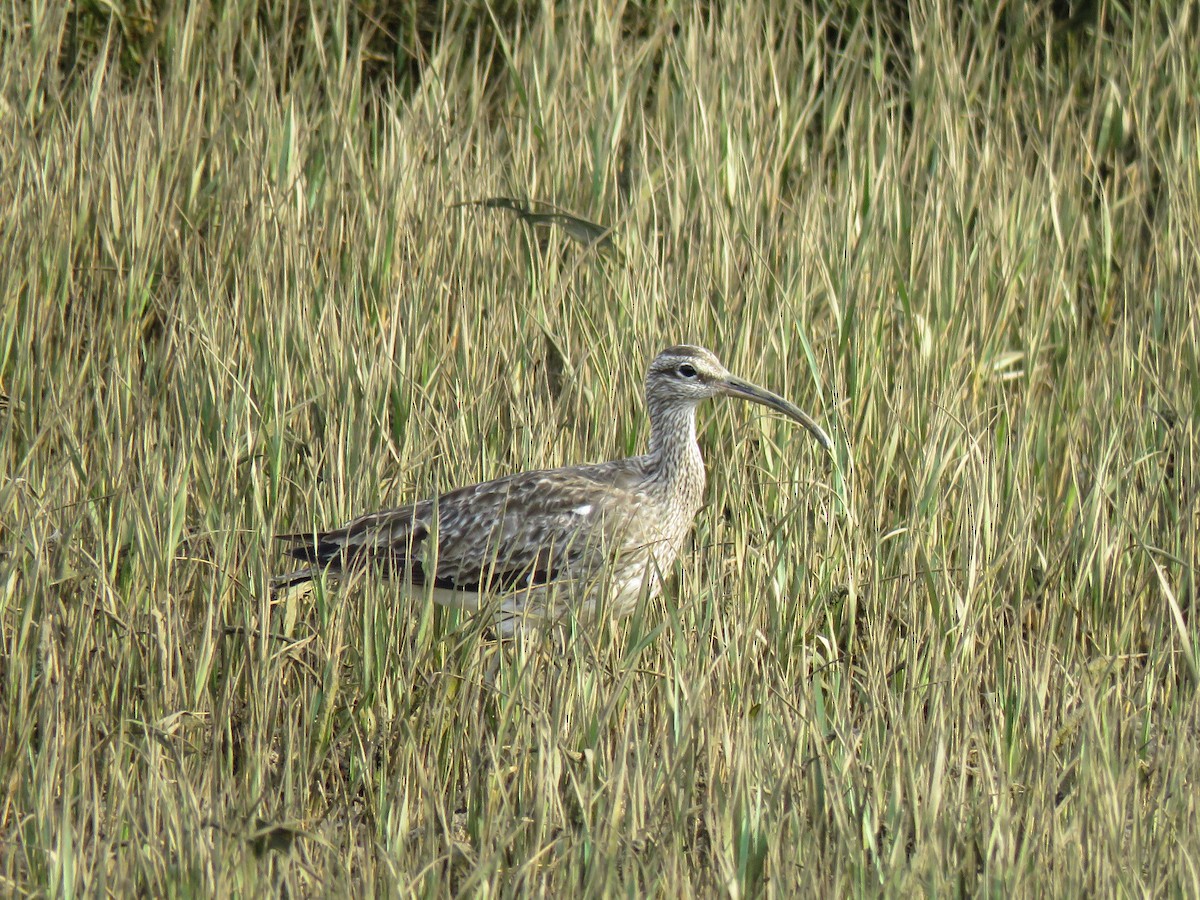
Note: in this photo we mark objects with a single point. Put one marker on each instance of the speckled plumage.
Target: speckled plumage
(538, 545)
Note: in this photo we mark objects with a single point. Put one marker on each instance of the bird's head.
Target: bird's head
(686, 375)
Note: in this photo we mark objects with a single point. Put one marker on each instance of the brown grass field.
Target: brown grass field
(239, 298)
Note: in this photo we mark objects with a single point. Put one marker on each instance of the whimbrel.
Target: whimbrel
(556, 542)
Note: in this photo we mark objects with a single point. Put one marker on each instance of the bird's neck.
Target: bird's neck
(674, 454)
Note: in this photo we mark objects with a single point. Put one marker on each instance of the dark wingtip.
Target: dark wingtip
(308, 546)
(297, 537)
(318, 551)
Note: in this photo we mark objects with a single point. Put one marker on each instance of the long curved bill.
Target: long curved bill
(735, 387)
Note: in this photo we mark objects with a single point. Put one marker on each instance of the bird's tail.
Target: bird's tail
(368, 541)
(323, 550)
(281, 584)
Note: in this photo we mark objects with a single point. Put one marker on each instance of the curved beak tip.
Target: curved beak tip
(738, 388)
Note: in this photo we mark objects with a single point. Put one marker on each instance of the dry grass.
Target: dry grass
(237, 300)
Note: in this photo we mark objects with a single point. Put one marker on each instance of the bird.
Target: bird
(546, 545)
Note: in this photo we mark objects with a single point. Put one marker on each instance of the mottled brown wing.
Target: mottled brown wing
(513, 533)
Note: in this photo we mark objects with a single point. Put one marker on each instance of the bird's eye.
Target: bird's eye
(686, 371)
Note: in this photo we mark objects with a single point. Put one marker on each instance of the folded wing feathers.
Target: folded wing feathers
(513, 533)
